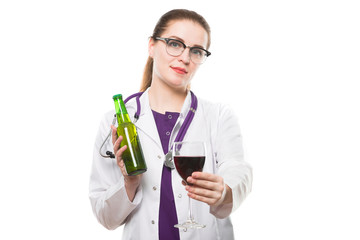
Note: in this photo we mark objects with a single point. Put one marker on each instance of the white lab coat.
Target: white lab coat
(213, 123)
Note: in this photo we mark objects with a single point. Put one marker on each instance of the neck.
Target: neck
(166, 99)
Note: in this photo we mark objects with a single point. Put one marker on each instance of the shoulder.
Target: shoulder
(135, 101)
(216, 109)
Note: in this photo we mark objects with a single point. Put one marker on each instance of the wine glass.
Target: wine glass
(189, 157)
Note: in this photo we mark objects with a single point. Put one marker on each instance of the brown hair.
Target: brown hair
(162, 24)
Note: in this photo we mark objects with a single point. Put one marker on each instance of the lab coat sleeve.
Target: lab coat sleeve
(107, 193)
(230, 165)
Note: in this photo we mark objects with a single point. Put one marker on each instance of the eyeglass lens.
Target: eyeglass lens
(176, 48)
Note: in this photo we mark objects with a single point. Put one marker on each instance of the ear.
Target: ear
(151, 46)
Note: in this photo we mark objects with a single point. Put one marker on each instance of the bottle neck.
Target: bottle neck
(121, 112)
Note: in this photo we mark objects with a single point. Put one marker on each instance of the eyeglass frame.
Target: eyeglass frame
(184, 45)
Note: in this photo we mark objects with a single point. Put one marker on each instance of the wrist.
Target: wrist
(131, 188)
(228, 195)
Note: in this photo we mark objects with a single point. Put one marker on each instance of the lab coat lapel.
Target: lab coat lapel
(146, 122)
(180, 121)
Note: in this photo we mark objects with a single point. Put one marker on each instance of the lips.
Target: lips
(179, 70)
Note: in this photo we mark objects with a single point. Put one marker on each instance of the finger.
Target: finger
(206, 199)
(121, 164)
(206, 176)
(117, 144)
(208, 193)
(217, 185)
(113, 134)
(119, 153)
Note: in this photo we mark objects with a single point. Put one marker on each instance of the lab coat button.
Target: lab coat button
(152, 222)
(159, 157)
(154, 188)
(179, 196)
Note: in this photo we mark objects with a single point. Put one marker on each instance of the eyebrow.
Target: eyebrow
(182, 40)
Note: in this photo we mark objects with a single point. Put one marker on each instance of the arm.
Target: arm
(237, 173)
(108, 194)
(228, 187)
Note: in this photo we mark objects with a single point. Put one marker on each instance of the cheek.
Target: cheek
(161, 60)
(160, 68)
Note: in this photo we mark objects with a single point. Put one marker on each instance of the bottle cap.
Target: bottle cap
(117, 96)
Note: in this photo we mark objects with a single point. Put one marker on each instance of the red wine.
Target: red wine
(187, 165)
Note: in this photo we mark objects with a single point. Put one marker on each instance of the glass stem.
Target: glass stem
(190, 211)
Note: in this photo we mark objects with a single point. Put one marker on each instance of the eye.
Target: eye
(198, 52)
(175, 44)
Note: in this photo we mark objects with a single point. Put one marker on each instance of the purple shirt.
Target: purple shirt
(167, 211)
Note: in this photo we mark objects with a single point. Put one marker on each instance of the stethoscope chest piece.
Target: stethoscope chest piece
(169, 161)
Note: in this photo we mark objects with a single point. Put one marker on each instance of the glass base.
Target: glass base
(189, 224)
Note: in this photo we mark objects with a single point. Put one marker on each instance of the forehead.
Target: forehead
(192, 33)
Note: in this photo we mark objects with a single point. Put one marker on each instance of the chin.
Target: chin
(180, 84)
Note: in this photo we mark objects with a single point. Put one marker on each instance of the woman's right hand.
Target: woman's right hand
(131, 182)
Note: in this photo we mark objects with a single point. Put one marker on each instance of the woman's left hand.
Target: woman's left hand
(208, 188)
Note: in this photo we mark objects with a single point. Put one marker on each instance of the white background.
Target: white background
(290, 70)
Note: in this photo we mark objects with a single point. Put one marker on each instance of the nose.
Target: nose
(185, 56)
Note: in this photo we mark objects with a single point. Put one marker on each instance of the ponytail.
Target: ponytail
(147, 77)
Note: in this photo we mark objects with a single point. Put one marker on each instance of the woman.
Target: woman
(151, 204)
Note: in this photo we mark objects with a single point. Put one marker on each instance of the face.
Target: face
(177, 72)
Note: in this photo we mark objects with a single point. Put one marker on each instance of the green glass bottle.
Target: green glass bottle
(133, 156)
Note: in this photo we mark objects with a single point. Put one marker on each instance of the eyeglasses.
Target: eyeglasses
(176, 47)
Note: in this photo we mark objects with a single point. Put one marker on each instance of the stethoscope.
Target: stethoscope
(179, 137)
